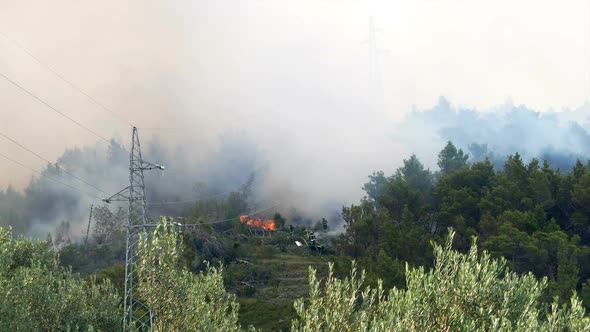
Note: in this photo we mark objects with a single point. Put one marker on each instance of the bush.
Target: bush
(181, 300)
(36, 294)
(463, 292)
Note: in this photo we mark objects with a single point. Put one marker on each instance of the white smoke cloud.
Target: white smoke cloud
(560, 137)
(286, 81)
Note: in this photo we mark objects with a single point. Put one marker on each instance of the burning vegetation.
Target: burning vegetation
(265, 224)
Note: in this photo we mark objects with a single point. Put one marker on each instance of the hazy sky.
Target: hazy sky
(292, 76)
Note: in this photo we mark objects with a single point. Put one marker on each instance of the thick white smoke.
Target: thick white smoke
(221, 88)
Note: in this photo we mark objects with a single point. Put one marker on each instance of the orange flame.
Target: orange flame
(266, 224)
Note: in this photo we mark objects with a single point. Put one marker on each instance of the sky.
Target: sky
(291, 77)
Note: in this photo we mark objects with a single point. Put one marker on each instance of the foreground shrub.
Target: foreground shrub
(36, 294)
(181, 300)
(463, 292)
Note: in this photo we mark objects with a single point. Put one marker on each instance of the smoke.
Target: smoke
(217, 90)
(558, 137)
(304, 184)
(52, 198)
(299, 181)
(222, 89)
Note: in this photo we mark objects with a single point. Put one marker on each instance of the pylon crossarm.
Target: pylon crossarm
(118, 197)
(177, 224)
(146, 166)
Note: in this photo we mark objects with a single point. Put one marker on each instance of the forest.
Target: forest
(470, 246)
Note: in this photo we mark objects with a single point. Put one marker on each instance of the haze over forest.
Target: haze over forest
(297, 94)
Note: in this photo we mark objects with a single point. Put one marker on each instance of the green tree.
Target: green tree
(464, 292)
(376, 186)
(181, 300)
(450, 159)
(107, 225)
(36, 294)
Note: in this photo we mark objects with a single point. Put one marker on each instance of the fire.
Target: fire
(266, 224)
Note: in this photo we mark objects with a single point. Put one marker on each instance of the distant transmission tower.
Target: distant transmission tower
(135, 311)
(376, 95)
(88, 229)
(373, 57)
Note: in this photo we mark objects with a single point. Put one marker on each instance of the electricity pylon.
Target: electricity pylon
(135, 312)
(88, 229)
(376, 93)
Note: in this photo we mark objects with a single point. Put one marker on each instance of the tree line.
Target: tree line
(410, 258)
(535, 216)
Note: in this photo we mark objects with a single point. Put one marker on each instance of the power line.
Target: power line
(165, 128)
(200, 198)
(54, 109)
(228, 219)
(249, 214)
(68, 82)
(49, 177)
(47, 161)
(193, 199)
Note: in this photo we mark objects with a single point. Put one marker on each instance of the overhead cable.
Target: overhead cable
(235, 218)
(65, 80)
(49, 162)
(200, 198)
(49, 177)
(54, 109)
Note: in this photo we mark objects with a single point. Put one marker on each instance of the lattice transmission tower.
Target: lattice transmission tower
(135, 312)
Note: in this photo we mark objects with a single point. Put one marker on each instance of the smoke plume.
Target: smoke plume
(558, 137)
(290, 92)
